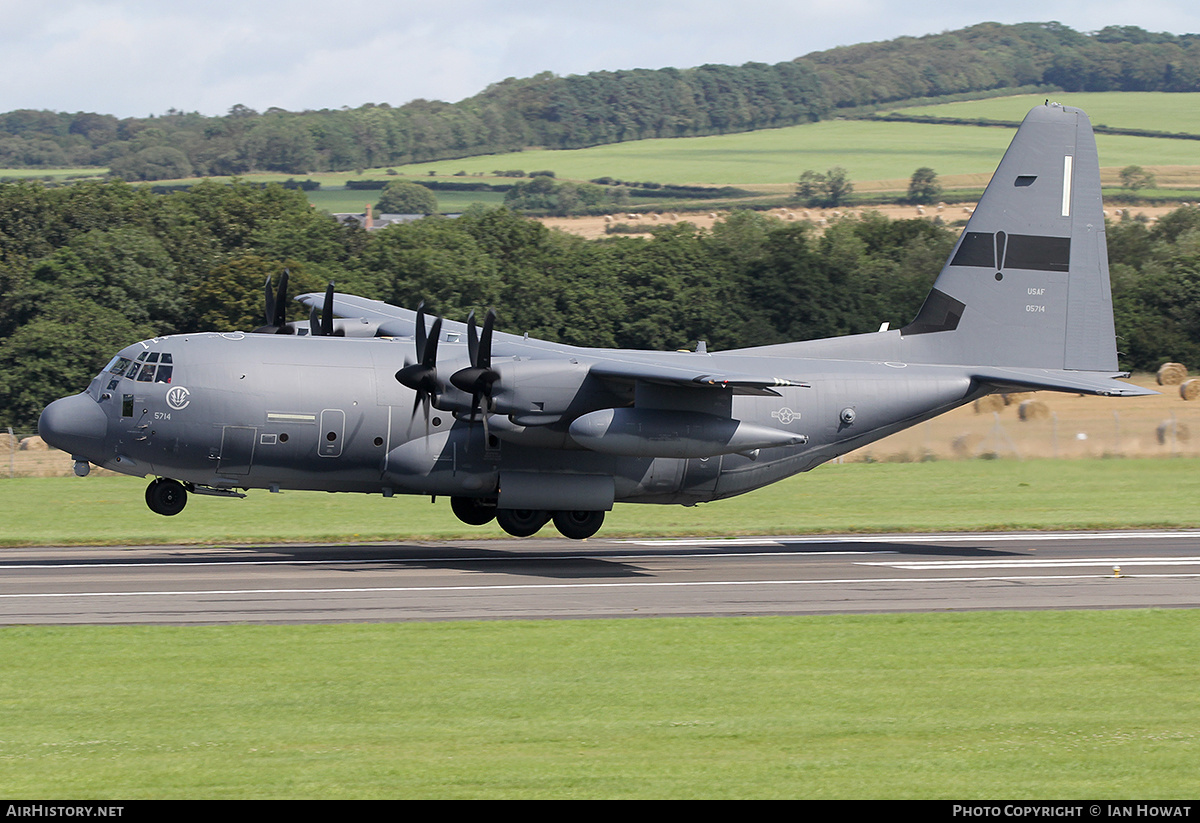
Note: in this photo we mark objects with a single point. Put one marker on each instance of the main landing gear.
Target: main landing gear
(577, 525)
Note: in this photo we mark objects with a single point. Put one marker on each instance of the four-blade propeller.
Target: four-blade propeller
(275, 304)
(275, 312)
(478, 379)
(421, 376)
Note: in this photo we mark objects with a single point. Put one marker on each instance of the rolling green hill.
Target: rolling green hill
(868, 150)
(877, 154)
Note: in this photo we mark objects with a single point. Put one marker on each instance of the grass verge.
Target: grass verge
(853, 497)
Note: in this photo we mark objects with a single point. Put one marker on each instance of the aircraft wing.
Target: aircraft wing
(687, 377)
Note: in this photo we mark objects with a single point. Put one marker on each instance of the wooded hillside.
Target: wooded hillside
(605, 107)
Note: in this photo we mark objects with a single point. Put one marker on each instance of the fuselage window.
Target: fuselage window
(164, 374)
(147, 374)
(133, 370)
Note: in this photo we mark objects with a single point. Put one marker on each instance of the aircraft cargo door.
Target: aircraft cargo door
(237, 449)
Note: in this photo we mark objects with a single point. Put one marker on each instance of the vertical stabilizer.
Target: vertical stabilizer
(1027, 284)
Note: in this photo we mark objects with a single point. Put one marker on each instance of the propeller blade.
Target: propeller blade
(281, 299)
(420, 334)
(485, 343)
(478, 378)
(327, 313)
(472, 338)
(431, 345)
(275, 307)
(269, 303)
(276, 301)
(421, 376)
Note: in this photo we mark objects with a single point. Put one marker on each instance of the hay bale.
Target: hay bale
(1171, 374)
(1016, 398)
(1033, 410)
(34, 444)
(990, 403)
(1189, 389)
(8, 442)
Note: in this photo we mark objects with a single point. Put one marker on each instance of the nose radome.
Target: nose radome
(75, 424)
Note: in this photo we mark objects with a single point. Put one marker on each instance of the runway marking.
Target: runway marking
(1033, 562)
(999, 537)
(545, 586)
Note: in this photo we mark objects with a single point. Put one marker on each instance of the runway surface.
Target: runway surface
(551, 578)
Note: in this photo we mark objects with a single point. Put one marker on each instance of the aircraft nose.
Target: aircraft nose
(75, 424)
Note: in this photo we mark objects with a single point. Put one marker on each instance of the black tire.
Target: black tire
(166, 497)
(578, 525)
(474, 511)
(522, 522)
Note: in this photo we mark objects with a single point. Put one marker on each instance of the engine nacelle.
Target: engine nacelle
(536, 392)
(667, 433)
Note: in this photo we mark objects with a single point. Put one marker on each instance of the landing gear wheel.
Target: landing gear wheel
(474, 511)
(165, 496)
(521, 522)
(578, 525)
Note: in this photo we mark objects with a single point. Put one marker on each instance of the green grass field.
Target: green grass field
(339, 199)
(1159, 111)
(54, 174)
(850, 497)
(869, 151)
(1060, 705)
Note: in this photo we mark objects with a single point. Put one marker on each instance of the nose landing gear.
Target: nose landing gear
(166, 496)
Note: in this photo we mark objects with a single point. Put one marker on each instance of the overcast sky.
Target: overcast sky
(138, 57)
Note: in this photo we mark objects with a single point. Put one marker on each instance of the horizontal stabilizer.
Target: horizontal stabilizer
(1075, 382)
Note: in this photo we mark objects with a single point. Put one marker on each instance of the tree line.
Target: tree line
(87, 269)
(607, 106)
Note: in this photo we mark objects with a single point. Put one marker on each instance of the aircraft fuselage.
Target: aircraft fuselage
(241, 411)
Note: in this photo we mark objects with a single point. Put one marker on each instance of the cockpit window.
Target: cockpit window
(118, 365)
(151, 367)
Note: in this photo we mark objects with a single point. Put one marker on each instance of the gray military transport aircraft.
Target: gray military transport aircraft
(526, 431)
